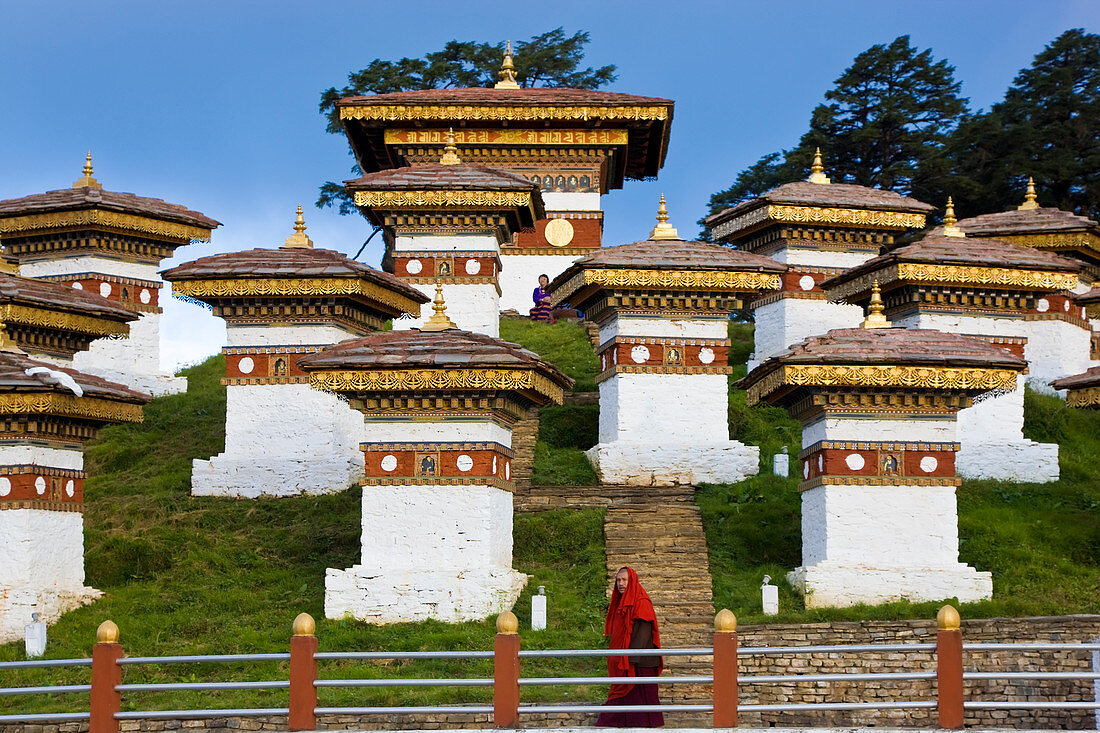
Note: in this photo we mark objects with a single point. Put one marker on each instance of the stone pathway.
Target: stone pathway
(658, 531)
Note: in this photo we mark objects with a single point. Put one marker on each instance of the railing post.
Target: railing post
(106, 701)
(725, 669)
(506, 671)
(303, 674)
(949, 668)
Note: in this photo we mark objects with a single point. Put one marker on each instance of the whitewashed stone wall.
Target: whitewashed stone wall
(991, 432)
(874, 544)
(519, 276)
(430, 551)
(133, 360)
(41, 552)
(283, 439)
(791, 320)
(473, 308)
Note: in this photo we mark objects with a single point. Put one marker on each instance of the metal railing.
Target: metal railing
(106, 688)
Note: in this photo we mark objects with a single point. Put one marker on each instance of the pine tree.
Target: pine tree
(1048, 127)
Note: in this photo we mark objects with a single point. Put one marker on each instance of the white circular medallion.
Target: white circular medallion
(464, 463)
(806, 282)
(40, 485)
(1082, 312)
(145, 296)
(614, 356)
(1043, 305)
(5, 486)
(507, 470)
(603, 362)
(928, 464)
(414, 267)
(1065, 306)
(473, 267)
(558, 232)
(78, 286)
(805, 469)
(494, 465)
(855, 461)
(105, 289)
(70, 488)
(706, 355)
(389, 462)
(246, 365)
(820, 462)
(639, 354)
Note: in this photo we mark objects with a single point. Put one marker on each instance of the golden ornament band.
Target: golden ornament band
(1088, 397)
(509, 113)
(420, 199)
(60, 321)
(913, 377)
(711, 280)
(429, 380)
(110, 219)
(784, 214)
(508, 137)
(90, 408)
(291, 286)
(957, 274)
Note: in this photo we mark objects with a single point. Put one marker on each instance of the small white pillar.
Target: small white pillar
(769, 597)
(34, 637)
(538, 610)
(781, 463)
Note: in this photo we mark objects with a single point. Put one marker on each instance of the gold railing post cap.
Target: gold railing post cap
(948, 619)
(725, 621)
(304, 625)
(507, 623)
(107, 633)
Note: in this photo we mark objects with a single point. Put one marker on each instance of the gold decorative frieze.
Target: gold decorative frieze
(1052, 241)
(569, 253)
(680, 280)
(294, 287)
(1042, 280)
(910, 377)
(507, 136)
(432, 380)
(101, 218)
(509, 113)
(820, 215)
(90, 408)
(61, 321)
(419, 199)
(878, 481)
(1087, 397)
(659, 369)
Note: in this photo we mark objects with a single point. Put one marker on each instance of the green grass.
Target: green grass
(201, 575)
(564, 344)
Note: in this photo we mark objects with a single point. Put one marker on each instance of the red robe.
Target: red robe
(625, 609)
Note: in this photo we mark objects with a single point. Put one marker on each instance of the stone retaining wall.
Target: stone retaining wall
(1044, 629)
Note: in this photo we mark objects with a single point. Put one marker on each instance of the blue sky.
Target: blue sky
(214, 104)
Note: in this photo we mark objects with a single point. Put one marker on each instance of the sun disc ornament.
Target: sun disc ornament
(70, 488)
(414, 267)
(145, 296)
(639, 354)
(855, 461)
(40, 485)
(5, 486)
(559, 232)
(928, 464)
(78, 286)
(246, 365)
(464, 463)
(389, 462)
(706, 355)
(473, 267)
(806, 282)
(105, 289)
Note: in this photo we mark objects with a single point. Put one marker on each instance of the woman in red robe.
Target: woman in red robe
(632, 624)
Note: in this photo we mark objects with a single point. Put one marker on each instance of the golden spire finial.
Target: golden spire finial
(507, 71)
(949, 221)
(438, 320)
(87, 181)
(817, 170)
(298, 240)
(663, 230)
(450, 152)
(1029, 197)
(875, 317)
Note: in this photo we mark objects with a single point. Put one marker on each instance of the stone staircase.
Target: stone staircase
(658, 531)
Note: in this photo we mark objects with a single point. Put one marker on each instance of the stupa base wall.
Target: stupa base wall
(133, 361)
(41, 567)
(519, 276)
(668, 464)
(430, 551)
(283, 440)
(472, 308)
(1056, 349)
(791, 320)
(832, 585)
(1023, 461)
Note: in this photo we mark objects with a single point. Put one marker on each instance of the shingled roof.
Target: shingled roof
(673, 255)
(489, 96)
(1088, 378)
(287, 263)
(464, 176)
(451, 348)
(1027, 221)
(55, 296)
(832, 195)
(91, 197)
(14, 377)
